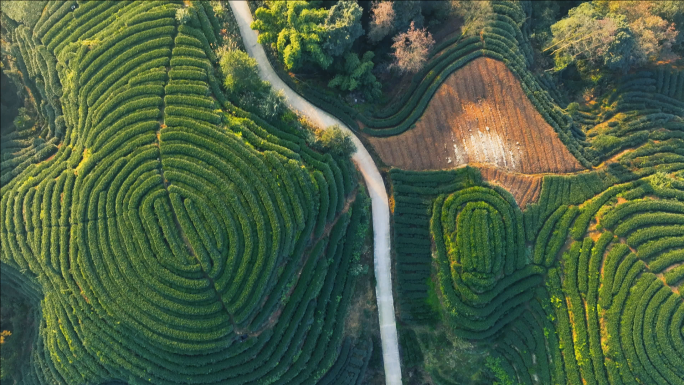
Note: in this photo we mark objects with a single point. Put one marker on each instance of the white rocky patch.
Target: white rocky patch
(488, 147)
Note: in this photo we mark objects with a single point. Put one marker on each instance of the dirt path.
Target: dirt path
(376, 189)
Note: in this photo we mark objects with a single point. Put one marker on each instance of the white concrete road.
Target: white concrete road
(376, 188)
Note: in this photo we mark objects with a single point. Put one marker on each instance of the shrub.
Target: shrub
(357, 75)
(335, 140)
(240, 73)
(183, 15)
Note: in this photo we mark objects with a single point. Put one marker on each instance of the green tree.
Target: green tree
(246, 89)
(407, 12)
(272, 105)
(240, 74)
(672, 11)
(591, 40)
(343, 26)
(336, 140)
(26, 12)
(298, 31)
(23, 120)
(357, 75)
(475, 14)
(494, 364)
(614, 35)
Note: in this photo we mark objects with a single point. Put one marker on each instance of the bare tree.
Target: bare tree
(382, 21)
(411, 49)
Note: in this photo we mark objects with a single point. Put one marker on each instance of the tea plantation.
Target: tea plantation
(161, 234)
(157, 229)
(583, 286)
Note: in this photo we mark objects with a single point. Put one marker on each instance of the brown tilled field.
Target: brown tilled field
(480, 114)
(524, 188)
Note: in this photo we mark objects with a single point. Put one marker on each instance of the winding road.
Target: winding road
(376, 189)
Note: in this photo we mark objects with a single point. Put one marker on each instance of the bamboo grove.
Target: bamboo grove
(164, 235)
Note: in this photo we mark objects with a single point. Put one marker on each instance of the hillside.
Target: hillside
(479, 114)
(342, 192)
(168, 236)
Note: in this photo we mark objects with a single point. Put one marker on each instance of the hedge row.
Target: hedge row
(413, 193)
(164, 232)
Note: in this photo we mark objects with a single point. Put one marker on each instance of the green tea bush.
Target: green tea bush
(175, 238)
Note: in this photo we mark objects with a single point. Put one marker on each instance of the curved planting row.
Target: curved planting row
(501, 39)
(620, 324)
(35, 77)
(413, 193)
(583, 287)
(483, 270)
(174, 238)
(647, 105)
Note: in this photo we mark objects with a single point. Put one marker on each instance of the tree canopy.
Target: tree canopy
(343, 26)
(411, 49)
(613, 35)
(240, 73)
(304, 34)
(475, 14)
(297, 29)
(357, 75)
(336, 140)
(381, 21)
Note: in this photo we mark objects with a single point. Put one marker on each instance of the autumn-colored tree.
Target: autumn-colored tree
(616, 35)
(3, 334)
(593, 40)
(382, 20)
(411, 49)
(653, 34)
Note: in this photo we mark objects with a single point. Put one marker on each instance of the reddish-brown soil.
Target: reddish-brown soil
(480, 114)
(524, 188)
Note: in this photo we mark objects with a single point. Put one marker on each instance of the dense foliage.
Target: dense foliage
(612, 35)
(508, 281)
(297, 29)
(583, 286)
(162, 234)
(357, 75)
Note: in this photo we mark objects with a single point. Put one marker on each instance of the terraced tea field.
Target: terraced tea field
(517, 260)
(167, 236)
(524, 188)
(154, 232)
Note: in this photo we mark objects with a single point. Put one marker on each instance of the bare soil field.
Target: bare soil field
(480, 114)
(524, 188)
